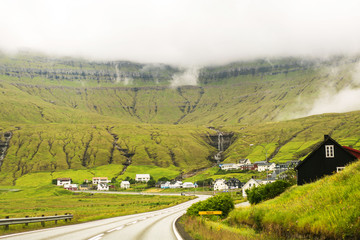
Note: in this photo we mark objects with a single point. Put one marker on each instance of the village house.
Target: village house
(98, 180)
(220, 185)
(265, 166)
(125, 184)
(326, 159)
(71, 187)
(250, 184)
(165, 185)
(63, 181)
(233, 183)
(249, 167)
(176, 184)
(158, 184)
(103, 187)
(142, 177)
(188, 185)
(84, 187)
(245, 161)
(229, 166)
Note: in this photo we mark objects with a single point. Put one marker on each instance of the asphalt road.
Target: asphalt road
(151, 225)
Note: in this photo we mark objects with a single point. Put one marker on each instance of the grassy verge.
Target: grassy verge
(49, 200)
(200, 229)
(326, 209)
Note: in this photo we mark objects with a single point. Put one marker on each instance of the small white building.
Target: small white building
(165, 185)
(229, 166)
(98, 180)
(177, 184)
(188, 185)
(142, 177)
(103, 187)
(265, 166)
(220, 185)
(245, 161)
(125, 184)
(250, 184)
(63, 181)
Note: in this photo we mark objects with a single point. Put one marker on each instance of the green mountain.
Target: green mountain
(66, 113)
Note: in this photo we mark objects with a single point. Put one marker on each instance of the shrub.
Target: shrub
(221, 202)
(268, 191)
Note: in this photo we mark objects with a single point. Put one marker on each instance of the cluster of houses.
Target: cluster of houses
(260, 166)
(175, 184)
(98, 183)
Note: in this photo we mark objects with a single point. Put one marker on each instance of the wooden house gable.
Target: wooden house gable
(324, 160)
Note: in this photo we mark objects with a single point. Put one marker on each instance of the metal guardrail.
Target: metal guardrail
(11, 221)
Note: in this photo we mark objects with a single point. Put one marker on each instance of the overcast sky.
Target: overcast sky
(188, 32)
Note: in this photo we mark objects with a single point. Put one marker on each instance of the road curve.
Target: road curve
(150, 225)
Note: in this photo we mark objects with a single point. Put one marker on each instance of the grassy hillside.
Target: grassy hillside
(328, 209)
(57, 147)
(243, 92)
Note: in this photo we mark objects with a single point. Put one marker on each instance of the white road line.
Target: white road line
(177, 235)
(97, 237)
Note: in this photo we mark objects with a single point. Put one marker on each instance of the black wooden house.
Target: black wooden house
(326, 159)
(233, 183)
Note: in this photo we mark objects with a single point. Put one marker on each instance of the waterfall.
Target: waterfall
(220, 147)
(4, 146)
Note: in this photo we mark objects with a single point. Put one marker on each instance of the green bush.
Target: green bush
(268, 191)
(221, 202)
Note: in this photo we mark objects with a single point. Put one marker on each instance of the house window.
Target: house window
(339, 169)
(329, 151)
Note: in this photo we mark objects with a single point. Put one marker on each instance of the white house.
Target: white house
(229, 166)
(63, 181)
(103, 187)
(265, 166)
(177, 184)
(188, 185)
(142, 177)
(165, 185)
(245, 161)
(98, 180)
(220, 185)
(250, 184)
(125, 184)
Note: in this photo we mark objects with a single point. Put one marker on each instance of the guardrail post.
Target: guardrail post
(43, 222)
(7, 226)
(26, 224)
(55, 220)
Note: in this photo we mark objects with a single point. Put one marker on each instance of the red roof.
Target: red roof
(354, 152)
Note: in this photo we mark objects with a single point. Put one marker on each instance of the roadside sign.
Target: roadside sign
(210, 212)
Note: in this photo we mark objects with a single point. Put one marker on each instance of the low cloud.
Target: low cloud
(345, 100)
(188, 77)
(331, 100)
(181, 32)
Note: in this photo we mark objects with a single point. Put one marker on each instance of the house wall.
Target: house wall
(317, 165)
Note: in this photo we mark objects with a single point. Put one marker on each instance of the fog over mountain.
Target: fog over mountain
(181, 32)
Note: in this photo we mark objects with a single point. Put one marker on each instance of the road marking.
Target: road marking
(131, 223)
(177, 234)
(97, 237)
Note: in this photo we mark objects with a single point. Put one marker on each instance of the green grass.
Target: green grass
(50, 200)
(328, 208)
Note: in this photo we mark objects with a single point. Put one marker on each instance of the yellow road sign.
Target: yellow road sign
(210, 212)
